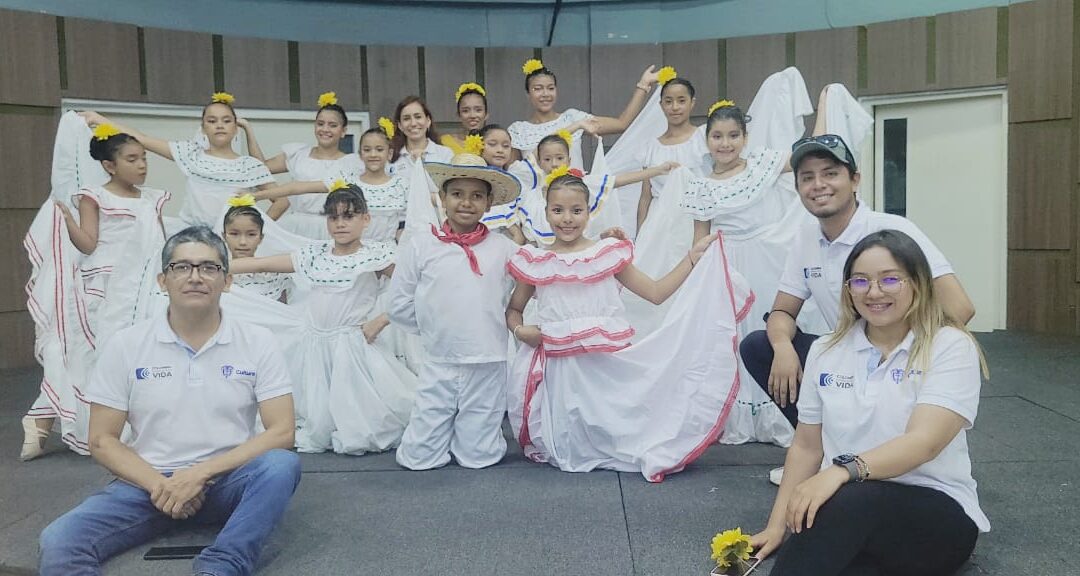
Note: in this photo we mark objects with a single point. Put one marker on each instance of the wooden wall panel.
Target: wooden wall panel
(749, 62)
(102, 60)
(331, 68)
(967, 49)
(896, 56)
(1040, 186)
(17, 345)
(257, 72)
(826, 57)
(1042, 294)
(393, 73)
(444, 70)
(27, 166)
(698, 62)
(505, 84)
(179, 66)
(572, 65)
(613, 73)
(13, 227)
(1040, 56)
(29, 59)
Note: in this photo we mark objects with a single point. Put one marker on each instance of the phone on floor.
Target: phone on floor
(754, 563)
(172, 552)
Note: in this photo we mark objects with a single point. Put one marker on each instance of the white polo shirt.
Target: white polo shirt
(815, 266)
(186, 406)
(861, 404)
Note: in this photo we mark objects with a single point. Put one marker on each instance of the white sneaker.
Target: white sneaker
(776, 475)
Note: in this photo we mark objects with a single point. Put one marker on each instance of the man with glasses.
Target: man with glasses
(828, 180)
(189, 383)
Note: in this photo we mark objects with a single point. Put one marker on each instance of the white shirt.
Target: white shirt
(862, 403)
(461, 317)
(815, 266)
(183, 406)
(432, 153)
(211, 181)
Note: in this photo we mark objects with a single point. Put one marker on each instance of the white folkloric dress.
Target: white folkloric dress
(525, 136)
(77, 301)
(305, 213)
(211, 181)
(351, 396)
(588, 398)
(266, 284)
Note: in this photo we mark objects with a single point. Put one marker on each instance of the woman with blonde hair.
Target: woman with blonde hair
(878, 479)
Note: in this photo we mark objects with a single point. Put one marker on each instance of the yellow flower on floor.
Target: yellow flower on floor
(730, 546)
(105, 131)
(666, 74)
(223, 98)
(387, 126)
(327, 99)
(719, 105)
(474, 144)
(531, 65)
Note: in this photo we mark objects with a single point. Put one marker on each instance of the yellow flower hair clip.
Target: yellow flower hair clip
(387, 126)
(719, 105)
(567, 137)
(338, 185)
(666, 74)
(105, 131)
(560, 171)
(327, 99)
(238, 201)
(223, 98)
(474, 144)
(469, 87)
(531, 65)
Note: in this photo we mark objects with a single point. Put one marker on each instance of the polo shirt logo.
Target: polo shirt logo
(814, 272)
(153, 372)
(227, 370)
(839, 381)
(897, 375)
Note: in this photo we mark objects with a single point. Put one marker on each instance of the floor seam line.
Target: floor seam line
(626, 523)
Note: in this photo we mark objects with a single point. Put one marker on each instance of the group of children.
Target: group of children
(425, 290)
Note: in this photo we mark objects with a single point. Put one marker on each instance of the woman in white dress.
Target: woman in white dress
(415, 136)
(581, 396)
(472, 111)
(352, 395)
(88, 268)
(214, 171)
(540, 85)
(310, 166)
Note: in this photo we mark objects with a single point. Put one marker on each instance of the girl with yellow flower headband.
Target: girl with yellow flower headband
(472, 111)
(540, 86)
(242, 230)
(215, 171)
(300, 211)
(90, 247)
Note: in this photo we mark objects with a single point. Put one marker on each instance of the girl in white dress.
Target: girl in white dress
(415, 136)
(87, 271)
(352, 395)
(492, 143)
(472, 111)
(581, 396)
(243, 226)
(540, 85)
(214, 171)
(310, 166)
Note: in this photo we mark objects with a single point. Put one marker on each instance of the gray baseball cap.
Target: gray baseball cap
(831, 144)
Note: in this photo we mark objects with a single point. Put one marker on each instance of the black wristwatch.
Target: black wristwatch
(850, 462)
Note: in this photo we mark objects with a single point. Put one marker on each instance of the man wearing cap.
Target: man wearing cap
(827, 179)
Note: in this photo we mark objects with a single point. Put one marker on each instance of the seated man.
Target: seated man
(189, 384)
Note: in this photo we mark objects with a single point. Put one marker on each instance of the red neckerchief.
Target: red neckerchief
(466, 241)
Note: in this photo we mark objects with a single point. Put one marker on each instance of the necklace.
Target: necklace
(738, 164)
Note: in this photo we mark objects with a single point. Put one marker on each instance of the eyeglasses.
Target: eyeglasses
(887, 284)
(184, 269)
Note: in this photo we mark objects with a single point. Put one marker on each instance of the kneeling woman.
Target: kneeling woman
(878, 477)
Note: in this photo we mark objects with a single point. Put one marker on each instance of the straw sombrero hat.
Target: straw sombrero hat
(504, 186)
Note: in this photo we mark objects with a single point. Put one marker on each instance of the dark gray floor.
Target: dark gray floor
(366, 516)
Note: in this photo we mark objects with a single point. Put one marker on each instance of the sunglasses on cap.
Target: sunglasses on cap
(830, 143)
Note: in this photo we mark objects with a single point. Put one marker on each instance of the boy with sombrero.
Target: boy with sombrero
(452, 287)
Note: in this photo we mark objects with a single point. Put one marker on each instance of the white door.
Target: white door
(942, 164)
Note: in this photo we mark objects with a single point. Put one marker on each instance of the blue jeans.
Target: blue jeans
(249, 501)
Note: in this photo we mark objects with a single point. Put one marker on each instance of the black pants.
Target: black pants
(757, 356)
(881, 529)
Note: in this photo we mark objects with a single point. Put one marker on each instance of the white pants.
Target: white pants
(459, 409)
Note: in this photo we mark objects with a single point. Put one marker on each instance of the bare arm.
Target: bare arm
(277, 263)
(515, 315)
(106, 424)
(929, 430)
(802, 462)
(155, 145)
(609, 125)
(254, 150)
(702, 228)
(277, 164)
(279, 421)
(658, 291)
(84, 233)
(954, 298)
(644, 201)
(278, 208)
(644, 175)
(290, 189)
